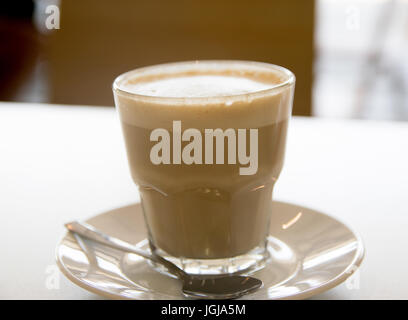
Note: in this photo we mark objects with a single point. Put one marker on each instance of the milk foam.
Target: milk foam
(197, 86)
(206, 94)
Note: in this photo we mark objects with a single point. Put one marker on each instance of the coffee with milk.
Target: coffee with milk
(205, 144)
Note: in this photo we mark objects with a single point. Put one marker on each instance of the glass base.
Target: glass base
(247, 263)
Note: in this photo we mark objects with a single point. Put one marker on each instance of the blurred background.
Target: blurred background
(350, 57)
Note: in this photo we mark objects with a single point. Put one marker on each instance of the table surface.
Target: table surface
(59, 163)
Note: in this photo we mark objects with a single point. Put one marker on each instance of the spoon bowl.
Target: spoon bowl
(224, 287)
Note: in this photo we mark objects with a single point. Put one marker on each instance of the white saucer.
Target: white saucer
(310, 253)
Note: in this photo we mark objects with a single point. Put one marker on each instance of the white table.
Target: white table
(59, 163)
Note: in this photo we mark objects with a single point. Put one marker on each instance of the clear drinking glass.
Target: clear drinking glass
(206, 158)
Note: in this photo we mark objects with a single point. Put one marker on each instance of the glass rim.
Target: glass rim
(289, 81)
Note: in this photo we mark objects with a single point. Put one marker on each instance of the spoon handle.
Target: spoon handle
(92, 233)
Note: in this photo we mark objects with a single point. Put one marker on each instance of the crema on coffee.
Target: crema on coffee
(201, 209)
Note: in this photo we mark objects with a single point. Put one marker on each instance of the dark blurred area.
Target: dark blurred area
(20, 46)
(349, 56)
(98, 40)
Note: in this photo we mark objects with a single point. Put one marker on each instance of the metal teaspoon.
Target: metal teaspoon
(204, 287)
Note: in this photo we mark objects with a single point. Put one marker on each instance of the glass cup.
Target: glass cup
(205, 143)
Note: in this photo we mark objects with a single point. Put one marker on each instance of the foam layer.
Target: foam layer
(208, 94)
(196, 86)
